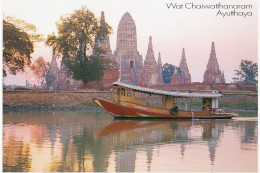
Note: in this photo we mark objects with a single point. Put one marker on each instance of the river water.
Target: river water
(94, 141)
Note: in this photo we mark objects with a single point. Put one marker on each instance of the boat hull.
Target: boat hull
(140, 111)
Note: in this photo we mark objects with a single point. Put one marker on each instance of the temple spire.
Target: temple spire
(183, 64)
(213, 62)
(183, 53)
(102, 16)
(102, 20)
(185, 74)
(213, 52)
(54, 65)
(104, 43)
(150, 45)
(54, 69)
(150, 54)
(159, 59)
(212, 73)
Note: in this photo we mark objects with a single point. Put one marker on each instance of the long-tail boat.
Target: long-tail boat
(127, 104)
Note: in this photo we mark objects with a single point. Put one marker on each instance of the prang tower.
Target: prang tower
(111, 74)
(126, 52)
(133, 70)
(104, 43)
(152, 69)
(185, 75)
(212, 73)
(54, 70)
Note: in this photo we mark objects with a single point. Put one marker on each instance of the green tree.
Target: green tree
(40, 68)
(18, 39)
(52, 41)
(77, 35)
(247, 73)
(24, 26)
(167, 72)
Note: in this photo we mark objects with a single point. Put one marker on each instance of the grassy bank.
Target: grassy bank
(75, 107)
(52, 101)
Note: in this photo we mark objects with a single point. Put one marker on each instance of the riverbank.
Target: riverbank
(82, 101)
(89, 107)
(43, 101)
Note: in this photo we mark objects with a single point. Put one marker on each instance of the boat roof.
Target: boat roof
(168, 93)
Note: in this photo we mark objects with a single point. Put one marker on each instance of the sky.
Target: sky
(235, 37)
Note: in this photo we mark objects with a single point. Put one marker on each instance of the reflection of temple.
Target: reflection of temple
(125, 161)
(211, 133)
(163, 132)
(93, 143)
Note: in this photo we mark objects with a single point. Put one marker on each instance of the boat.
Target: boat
(128, 103)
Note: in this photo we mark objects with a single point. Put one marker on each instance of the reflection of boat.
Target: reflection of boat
(125, 125)
(133, 132)
(118, 126)
(128, 105)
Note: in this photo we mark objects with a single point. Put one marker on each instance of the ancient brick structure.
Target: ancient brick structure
(63, 79)
(104, 44)
(54, 70)
(111, 74)
(176, 78)
(212, 73)
(152, 69)
(126, 55)
(159, 69)
(149, 73)
(185, 75)
(133, 70)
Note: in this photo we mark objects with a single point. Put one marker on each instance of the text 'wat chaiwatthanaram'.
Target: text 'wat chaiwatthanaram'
(129, 66)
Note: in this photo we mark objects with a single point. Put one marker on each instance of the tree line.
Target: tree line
(77, 43)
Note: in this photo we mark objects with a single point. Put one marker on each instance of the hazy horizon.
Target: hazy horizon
(235, 37)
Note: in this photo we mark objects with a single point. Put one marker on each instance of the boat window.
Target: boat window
(123, 91)
(128, 93)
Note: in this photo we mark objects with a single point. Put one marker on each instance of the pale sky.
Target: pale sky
(235, 37)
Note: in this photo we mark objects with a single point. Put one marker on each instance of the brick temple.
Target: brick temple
(128, 66)
(212, 73)
(133, 69)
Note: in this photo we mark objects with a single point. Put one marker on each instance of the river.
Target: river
(95, 142)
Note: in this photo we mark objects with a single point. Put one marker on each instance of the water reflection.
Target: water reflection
(88, 142)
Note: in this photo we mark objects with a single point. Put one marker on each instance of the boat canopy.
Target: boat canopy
(168, 93)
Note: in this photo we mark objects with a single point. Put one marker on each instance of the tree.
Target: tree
(247, 73)
(24, 26)
(52, 41)
(77, 35)
(18, 39)
(40, 68)
(167, 72)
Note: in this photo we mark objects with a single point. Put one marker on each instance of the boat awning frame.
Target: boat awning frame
(168, 93)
